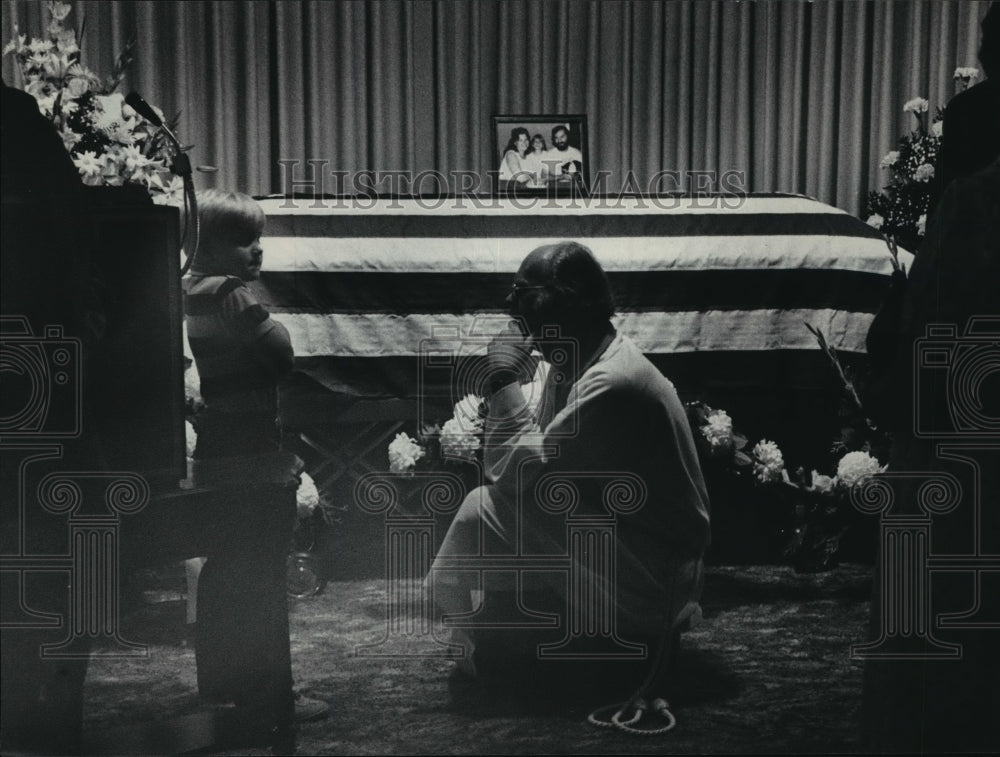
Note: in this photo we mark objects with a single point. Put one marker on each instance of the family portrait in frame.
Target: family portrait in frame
(541, 152)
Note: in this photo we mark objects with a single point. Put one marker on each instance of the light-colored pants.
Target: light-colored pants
(669, 586)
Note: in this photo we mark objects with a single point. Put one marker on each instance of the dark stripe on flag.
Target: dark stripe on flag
(662, 291)
(704, 375)
(569, 226)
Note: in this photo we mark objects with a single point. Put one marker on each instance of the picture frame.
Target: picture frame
(560, 165)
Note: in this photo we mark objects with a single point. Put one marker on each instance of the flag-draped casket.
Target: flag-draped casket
(717, 291)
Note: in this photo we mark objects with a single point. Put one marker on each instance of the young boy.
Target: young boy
(241, 353)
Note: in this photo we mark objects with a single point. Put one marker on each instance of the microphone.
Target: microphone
(181, 166)
(143, 108)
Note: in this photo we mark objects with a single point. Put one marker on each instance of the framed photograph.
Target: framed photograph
(546, 153)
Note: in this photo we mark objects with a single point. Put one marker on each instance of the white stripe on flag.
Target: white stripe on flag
(388, 335)
(616, 254)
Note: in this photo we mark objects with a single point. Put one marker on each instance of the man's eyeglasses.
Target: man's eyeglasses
(516, 288)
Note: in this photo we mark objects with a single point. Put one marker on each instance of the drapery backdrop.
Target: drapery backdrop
(800, 97)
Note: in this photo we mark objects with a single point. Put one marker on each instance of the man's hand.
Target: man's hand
(509, 358)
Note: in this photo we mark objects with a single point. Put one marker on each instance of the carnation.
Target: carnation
(404, 453)
(718, 430)
(457, 441)
(875, 220)
(937, 129)
(769, 461)
(822, 484)
(890, 159)
(190, 438)
(307, 497)
(922, 225)
(966, 72)
(924, 172)
(855, 466)
(916, 105)
(466, 412)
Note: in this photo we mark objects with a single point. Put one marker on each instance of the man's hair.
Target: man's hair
(558, 128)
(228, 219)
(579, 289)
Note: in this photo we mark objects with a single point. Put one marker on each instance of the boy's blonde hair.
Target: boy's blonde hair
(228, 219)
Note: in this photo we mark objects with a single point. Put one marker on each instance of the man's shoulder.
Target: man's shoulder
(624, 366)
(982, 96)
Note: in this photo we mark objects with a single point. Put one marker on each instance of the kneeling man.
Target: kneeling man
(607, 443)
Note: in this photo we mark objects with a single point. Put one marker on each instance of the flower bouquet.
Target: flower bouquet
(458, 441)
(807, 512)
(441, 458)
(110, 144)
(900, 209)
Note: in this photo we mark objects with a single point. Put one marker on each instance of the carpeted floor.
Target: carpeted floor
(768, 670)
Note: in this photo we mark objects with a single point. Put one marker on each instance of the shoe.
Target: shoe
(308, 710)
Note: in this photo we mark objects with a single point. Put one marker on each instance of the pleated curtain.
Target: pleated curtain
(793, 96)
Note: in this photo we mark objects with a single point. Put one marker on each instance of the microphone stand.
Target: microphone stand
(179, 166)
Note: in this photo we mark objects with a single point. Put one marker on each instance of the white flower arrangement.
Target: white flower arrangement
(459, 437)
(813, 507)
(458, 440)
(965, 73)
(718, 430)
(307, 496)
(404, 451)
(916, 105)
(890, 159)
(822, 484)
(190, 438)
(769, 463)
(855, 466)
(110, 144)
(924, 172)
(906, 197)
